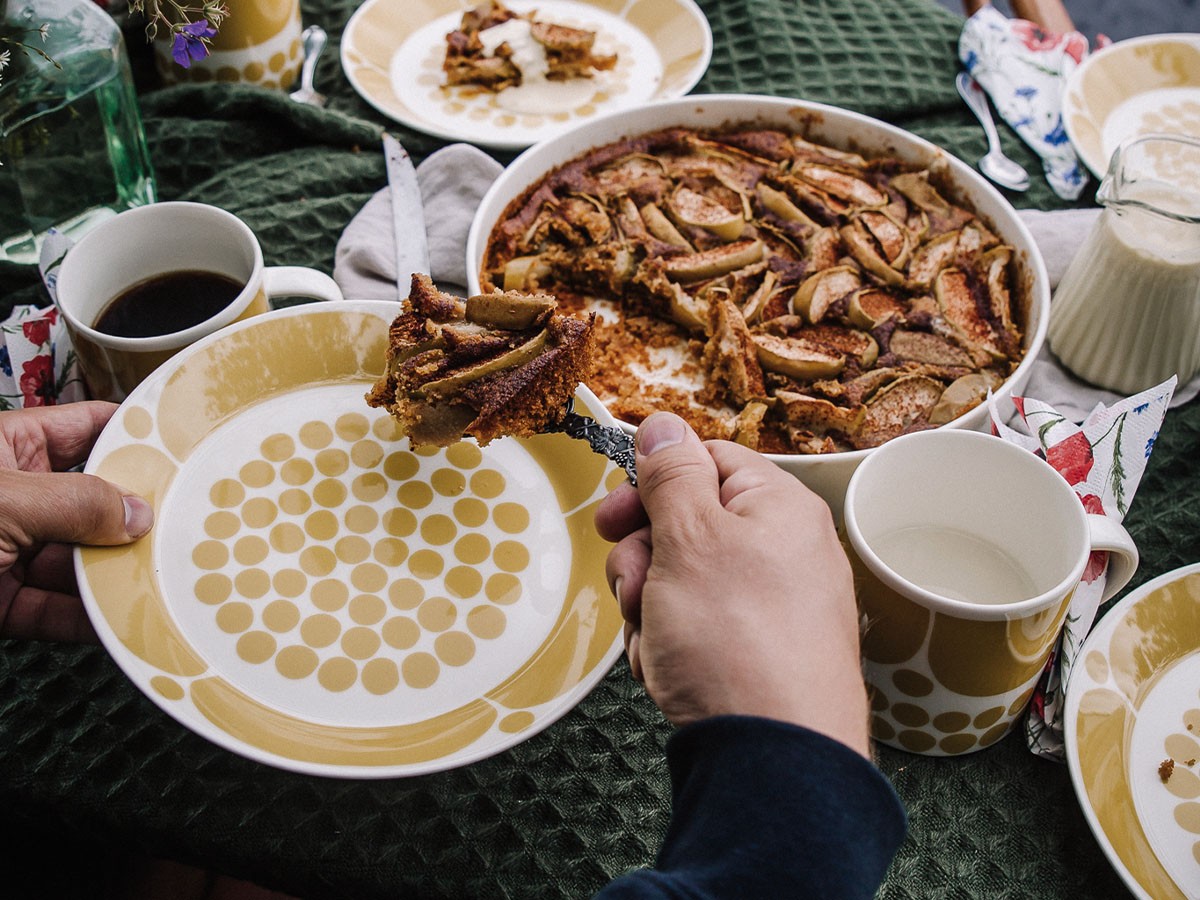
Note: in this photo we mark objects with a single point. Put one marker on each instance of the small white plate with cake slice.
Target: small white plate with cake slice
(393, 55)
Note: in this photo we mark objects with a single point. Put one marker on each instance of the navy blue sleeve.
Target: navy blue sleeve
(764, 809)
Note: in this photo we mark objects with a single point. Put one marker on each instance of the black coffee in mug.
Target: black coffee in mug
(167, 303)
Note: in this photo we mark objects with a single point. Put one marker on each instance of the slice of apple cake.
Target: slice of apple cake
(504, 363)
(495, 48)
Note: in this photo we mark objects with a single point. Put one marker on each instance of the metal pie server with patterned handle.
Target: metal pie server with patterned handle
(608, 440)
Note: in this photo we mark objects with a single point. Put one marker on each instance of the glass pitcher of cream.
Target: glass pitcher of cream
(1126, 315)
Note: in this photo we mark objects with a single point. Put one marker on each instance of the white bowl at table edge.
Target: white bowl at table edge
(826, 474)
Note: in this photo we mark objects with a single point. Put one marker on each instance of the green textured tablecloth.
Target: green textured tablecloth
(92, 768)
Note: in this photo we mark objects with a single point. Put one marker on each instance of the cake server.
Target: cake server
(608, 440)
(408, 215)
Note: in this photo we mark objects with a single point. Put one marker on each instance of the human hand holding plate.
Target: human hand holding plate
(45, 509)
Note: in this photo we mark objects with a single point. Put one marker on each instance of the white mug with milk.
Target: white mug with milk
(966, 550)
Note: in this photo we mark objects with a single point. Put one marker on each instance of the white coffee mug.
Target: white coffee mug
(139, 244)
(966, 550)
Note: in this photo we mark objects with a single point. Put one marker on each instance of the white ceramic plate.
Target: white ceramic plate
(392, 53)
(826, 474)
(1140, 86)
(1134, 701)
(316, 596)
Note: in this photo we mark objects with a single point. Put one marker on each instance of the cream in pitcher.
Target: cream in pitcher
(1126, 315)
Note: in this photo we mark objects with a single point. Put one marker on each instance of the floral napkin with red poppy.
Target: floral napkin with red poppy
(1103, 459)
(37, 368)
(37, 364)
(1024, 70)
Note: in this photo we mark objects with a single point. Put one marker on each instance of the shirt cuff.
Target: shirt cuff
(764, 808)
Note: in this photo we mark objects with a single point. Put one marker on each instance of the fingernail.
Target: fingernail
(138, 516)
(658, 431)
(633, 652)
(620, 580)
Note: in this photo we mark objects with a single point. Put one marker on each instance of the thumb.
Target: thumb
(676, 474)
(70, 507)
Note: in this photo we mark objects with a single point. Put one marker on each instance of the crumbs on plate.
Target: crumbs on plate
(1166, 768)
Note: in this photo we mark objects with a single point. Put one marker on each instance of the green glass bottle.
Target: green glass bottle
(72, 148)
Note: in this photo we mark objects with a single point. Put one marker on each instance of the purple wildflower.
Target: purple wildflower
(189, 42)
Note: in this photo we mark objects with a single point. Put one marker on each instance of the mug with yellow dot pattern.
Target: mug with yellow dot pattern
(258, 43)
(966, 550)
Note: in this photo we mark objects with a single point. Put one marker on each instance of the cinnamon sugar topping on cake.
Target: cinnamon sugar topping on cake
(795, 297)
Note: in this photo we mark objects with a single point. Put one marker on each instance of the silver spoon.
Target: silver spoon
(313, 38)
(995, 165)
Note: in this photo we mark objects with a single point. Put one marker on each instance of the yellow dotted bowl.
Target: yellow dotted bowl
(318, 595)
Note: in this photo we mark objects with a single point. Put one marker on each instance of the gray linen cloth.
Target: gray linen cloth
(454, 179)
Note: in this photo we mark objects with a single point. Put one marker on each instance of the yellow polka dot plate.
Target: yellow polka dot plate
(1134, 701)
(1140, 86)
(316, 595)
(392, 54)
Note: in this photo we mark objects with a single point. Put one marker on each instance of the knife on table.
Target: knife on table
(408, 215)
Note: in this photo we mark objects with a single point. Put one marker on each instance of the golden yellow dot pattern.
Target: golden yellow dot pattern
(923, 698)
(901, 714)
(279, 71)
(138, 422)
(327, 557)
(167, 688)
(516, 722)
(306, 701)
(1183, 747)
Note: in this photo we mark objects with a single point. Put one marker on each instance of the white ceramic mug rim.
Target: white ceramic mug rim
(174, 339)
(960, 608)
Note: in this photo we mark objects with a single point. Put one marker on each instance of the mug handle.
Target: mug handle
(1122, 552)
(299, 281)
